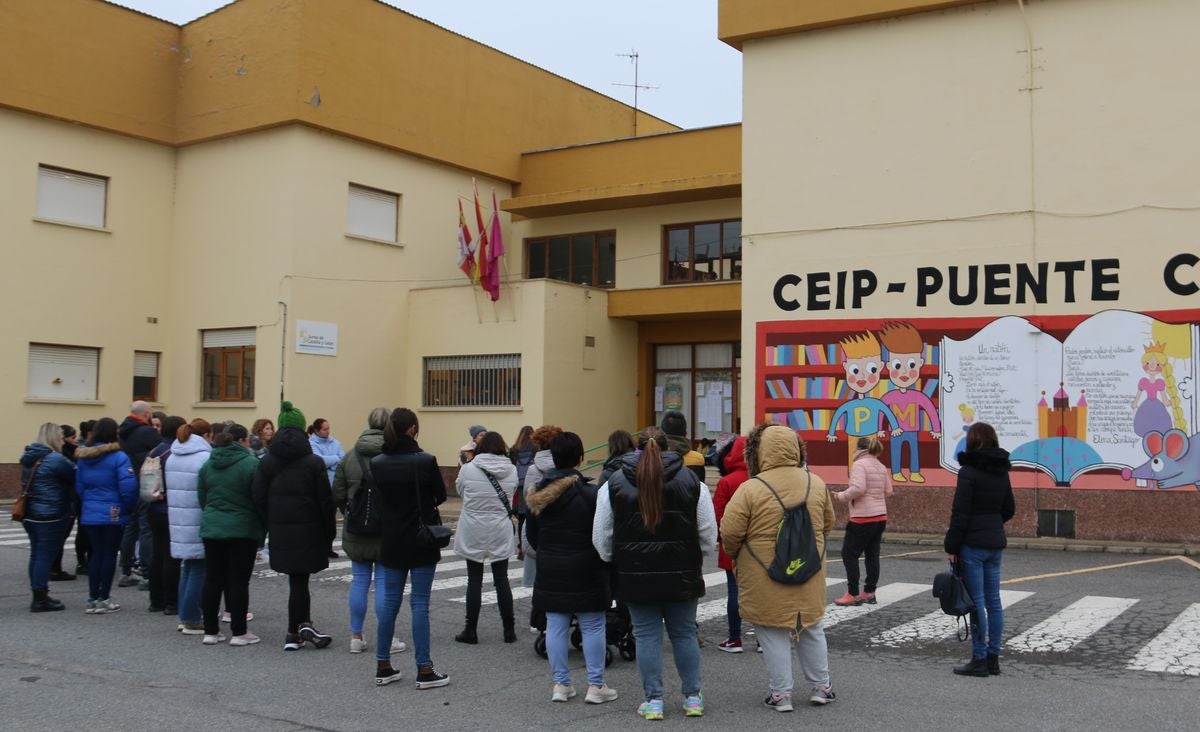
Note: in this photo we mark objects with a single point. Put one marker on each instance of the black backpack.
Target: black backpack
(796, 556)
(362, 516)
(950, 591)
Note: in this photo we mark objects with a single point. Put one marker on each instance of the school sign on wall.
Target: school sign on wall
(318, 339)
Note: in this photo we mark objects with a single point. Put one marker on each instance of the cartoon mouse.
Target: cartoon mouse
(1174, 459)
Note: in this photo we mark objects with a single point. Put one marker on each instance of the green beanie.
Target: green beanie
(289, 416)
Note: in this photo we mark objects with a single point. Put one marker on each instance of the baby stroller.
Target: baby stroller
(618, 631)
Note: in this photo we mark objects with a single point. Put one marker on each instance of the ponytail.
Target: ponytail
(650, 484)
(196, 427)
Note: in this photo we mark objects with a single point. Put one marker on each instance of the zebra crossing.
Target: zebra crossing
(904, 611)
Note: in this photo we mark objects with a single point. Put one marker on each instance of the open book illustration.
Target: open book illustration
(1116, 393)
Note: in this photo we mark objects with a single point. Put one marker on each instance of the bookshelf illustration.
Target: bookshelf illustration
(801, 381)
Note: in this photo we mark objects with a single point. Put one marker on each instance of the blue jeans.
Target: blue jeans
(558, 629)
(731, 606)
(393, 594)
(981, 574)
(45, 541)
(680, 619)
(914, 460)
(191, 586)
(360, 585)
(105, 540)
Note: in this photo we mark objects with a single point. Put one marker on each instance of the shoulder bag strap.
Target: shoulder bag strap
(499, 492)
(363, 466)
(32, 474)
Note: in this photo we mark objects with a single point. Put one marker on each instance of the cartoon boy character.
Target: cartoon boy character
(862, 360)
(906, 356)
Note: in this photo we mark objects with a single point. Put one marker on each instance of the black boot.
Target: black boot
(468, 634)
(974, 667)
(510, 631)
(993, 665)
(43, 603)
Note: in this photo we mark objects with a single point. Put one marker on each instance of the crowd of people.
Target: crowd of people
(190, 505)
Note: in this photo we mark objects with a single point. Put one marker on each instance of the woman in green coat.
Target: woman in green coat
(362, 550)
(232, 529)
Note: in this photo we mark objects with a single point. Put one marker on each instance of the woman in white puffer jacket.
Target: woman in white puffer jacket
(485, 530)
(181, 471)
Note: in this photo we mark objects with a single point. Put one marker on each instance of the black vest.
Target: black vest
(666, 565)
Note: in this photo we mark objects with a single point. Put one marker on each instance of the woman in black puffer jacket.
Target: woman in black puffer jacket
(571, 577)
(291, 488)
(983, 503)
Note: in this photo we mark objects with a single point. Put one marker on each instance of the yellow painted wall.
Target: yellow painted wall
(75, 286)
(546, 323)
(907, 140)
(639, 235)
(280, 236)
(701, 164)
(383, 75)
(90, 62)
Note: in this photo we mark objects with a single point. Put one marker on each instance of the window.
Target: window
(704, 252)
(472, 381)
(585, 259)
(63, 372)
(145, 376)
(228, 365)
(701, 380)
(372, 214)
(70, 197)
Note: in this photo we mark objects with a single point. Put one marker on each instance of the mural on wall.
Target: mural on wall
(1110, 394)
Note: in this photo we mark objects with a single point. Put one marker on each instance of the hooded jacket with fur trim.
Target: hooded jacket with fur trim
(571, 578)
(106, 485)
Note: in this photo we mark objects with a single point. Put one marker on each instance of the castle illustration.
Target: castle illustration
(1061, 419)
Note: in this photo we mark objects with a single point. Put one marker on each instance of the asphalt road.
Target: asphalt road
(890, 664)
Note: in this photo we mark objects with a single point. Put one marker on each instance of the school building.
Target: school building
(933, 213)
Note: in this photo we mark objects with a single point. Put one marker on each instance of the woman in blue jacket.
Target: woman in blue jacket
(329, 450)
(108, 492)
(47, 478)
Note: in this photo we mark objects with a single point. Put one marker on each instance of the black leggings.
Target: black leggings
(504, 596)
(228, 565)
(862, 538)
(164, 569)
(299, 601)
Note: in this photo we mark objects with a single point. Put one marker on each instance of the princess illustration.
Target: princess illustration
(1152, 415)
(968, 416)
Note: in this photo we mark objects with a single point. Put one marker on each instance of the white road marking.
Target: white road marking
(1070, 626)
(885, 595)
(934, 626)
(1176, 650)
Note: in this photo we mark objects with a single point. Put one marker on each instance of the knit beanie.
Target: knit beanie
(289, 416)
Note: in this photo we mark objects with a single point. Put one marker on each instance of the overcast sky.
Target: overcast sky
(699, 79)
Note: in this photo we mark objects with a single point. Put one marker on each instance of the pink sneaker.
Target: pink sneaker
(731, 646)
(847, 599)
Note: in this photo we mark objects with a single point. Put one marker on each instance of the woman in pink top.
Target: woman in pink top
(870, 485)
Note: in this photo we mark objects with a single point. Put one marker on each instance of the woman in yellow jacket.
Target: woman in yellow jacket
(775, 455)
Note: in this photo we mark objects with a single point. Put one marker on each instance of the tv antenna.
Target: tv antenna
(633, 58)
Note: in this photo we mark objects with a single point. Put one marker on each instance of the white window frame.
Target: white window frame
(219, 342)
(145, 365)
(71, 197)
(372, 214)
(63, 373)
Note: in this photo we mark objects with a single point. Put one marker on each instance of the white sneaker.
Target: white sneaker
(398, 646)
(358, 645)
(248, 639)
(212, 640)
(600, 694)
(227, 618)
(562, 693)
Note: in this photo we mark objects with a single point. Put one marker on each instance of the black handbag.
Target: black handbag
(429, 536)
(950, 591)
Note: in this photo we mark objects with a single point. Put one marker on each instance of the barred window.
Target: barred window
(472, 381)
